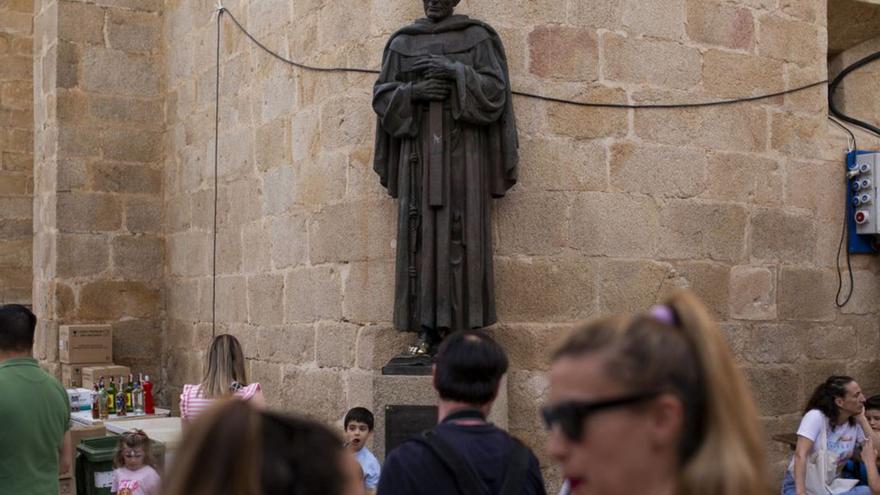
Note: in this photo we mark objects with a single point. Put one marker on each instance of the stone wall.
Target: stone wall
(614, 208)
(16, 150)
(99, 117)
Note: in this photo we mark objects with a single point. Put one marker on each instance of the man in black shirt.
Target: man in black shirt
(464, 454)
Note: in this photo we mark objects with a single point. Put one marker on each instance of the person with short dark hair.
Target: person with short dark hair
(465, 453)
(236, 449)
(35, 441)
(358, 424)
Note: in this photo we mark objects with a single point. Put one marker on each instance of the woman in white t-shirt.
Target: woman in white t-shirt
(224, 376)
(836, 405)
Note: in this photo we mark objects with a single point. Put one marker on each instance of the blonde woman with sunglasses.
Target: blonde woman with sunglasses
(653, 404)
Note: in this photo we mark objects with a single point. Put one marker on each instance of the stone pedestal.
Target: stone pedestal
(400, 390)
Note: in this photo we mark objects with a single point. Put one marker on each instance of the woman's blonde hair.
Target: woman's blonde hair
(721, 450)
(224, 367)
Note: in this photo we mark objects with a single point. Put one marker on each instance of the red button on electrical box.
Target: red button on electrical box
(861, 217)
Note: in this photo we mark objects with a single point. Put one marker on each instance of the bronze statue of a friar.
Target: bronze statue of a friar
(446, 143)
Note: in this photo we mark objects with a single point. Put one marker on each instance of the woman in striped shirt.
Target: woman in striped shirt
(224, 376)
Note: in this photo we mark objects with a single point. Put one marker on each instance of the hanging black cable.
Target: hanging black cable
(832, 88)
(713, 103)
(852, 137)
(843, 231)
(537, 96)
(220, 12)
(291, 62)
(844, 238)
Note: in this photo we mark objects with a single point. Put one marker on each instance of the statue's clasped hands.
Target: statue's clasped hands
(438, 71)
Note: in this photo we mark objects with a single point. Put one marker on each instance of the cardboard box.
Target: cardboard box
(77, 434)
(85, 344)
(71, 374)
(80, 399)
(92, 374)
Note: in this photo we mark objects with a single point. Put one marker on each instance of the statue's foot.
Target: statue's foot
(422, 346)
(415, 359)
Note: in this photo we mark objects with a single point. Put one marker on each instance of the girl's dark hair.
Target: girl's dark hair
(873, 402)
(824, 395)
(134, 439)
(256, 452)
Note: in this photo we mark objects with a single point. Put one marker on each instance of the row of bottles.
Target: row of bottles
(132, 397)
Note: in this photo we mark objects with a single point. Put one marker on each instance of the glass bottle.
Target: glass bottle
(138, 397)
(148, 395)
(96, 403)
(129, 390)
(102, 401)
(120, 404)
(111, 396)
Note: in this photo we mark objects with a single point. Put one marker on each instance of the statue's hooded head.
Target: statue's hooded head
(437, 10)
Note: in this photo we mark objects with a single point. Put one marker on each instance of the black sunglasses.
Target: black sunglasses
(570, 415)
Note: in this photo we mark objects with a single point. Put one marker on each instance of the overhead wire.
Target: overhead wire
(625, 106)
(835, 83)
(832, 88)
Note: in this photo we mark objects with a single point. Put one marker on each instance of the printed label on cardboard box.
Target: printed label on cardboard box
(85, 344)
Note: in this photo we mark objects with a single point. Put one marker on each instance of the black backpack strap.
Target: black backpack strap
(462, 472)
(515, 475)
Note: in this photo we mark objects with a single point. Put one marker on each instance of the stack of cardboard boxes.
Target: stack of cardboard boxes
(86, 354)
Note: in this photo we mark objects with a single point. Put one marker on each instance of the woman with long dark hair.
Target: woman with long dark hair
(835, 414)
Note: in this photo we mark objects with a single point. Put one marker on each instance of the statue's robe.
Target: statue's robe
(444, 278)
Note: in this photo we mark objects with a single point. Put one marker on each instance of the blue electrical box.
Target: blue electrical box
(862, 203)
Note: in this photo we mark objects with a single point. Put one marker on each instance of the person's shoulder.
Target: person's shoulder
(811, 424)
(814, 415)
(480, 29)
(370, 457)
(248, 391)
(409, 452)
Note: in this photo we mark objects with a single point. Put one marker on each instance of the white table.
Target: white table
(85, 417)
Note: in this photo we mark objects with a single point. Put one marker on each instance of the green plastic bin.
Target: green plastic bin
(94, 464)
